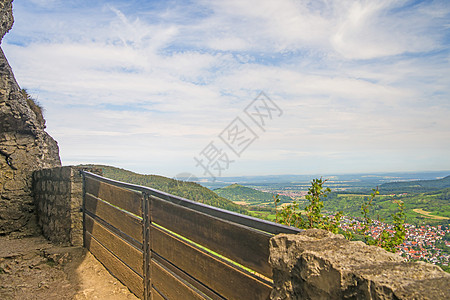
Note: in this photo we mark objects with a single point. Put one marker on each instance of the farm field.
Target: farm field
(429, 215)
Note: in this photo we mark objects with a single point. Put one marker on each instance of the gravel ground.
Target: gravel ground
(33, 268)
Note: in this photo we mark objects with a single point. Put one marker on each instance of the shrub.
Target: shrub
(37, 108)
(312, 217)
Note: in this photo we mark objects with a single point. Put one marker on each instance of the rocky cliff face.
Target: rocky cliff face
(24, 147)
(6, 17)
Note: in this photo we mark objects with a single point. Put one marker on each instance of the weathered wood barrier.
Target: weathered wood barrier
(166, 247)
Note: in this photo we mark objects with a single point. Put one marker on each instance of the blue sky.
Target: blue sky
(360, 86)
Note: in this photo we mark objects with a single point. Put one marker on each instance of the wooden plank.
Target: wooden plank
(125, 199)
(170, 286)
(156, 295)
(242, 244)
(228, 281)
(203, 289)
(117, 268)
(123, 221)
(128, 254)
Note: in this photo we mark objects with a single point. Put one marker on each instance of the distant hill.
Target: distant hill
(417, 186)
(188, 190)
(237, 192)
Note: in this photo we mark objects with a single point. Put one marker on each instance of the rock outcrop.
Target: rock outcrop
(317, 264)
(24, 147)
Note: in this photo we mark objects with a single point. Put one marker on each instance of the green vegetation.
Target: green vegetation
(292, 215)
(424, 201)
(260, 204)
(188, 190)
(386, 240)
(445, 268)
(268, 215)
(248, 196)
(313, 217)
(35, 106)
(431, 208)
(418, 186)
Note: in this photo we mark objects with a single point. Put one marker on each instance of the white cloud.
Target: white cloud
(368, 29)
(265, 25)
(359, 79)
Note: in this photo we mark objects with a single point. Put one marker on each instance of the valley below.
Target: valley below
(425, 196)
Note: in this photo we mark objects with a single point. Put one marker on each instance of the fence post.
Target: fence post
(146, 216)
(83, 208)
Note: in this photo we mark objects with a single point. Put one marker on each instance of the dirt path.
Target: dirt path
(32, 268)
(428, 214)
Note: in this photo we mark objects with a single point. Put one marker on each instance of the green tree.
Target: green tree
(313, 218)
(291, 214)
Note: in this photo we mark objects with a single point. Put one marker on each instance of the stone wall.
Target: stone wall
(317, 264)
(59, 198)
(24, 147)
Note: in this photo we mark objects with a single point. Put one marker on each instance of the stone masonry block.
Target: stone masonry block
(317, 264)
(66, 173)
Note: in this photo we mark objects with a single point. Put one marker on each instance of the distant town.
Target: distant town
(424, 242)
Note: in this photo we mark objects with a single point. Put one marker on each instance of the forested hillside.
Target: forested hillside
(418, 186)
(188, 190)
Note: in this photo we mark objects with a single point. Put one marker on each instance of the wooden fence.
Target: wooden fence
(165, 247)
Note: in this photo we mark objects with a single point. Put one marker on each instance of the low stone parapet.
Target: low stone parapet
(317, 264)
(58, 195)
